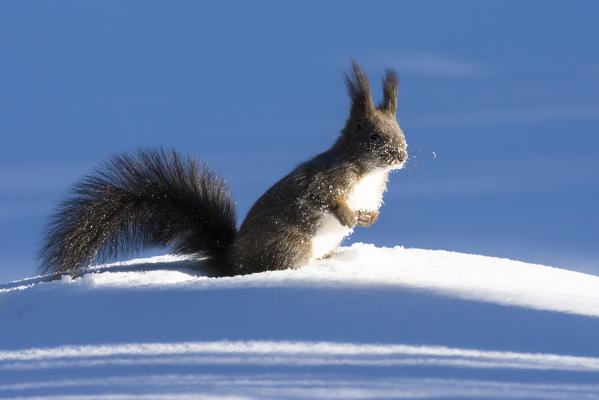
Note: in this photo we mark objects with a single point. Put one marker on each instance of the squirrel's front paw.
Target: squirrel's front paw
(345, 215)
(366, 218)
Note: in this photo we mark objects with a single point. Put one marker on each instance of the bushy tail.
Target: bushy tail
(140, 200)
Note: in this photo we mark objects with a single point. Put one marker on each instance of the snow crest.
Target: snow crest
(467, 276)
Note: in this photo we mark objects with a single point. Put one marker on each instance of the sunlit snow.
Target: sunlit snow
(366, 323)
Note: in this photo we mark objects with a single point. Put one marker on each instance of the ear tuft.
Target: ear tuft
(358, 89)
(390, 88)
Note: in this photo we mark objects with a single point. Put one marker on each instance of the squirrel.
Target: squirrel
(152, 198)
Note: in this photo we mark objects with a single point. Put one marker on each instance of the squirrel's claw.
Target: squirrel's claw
(366, 218)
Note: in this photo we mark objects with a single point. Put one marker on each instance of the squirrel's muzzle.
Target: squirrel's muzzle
(403, 155)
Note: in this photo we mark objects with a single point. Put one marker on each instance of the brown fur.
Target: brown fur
(278, 229)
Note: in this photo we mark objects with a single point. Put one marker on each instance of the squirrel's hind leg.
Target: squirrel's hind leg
(270, 249)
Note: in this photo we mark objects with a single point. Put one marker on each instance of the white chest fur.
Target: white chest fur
(328, 236)
(367, 194)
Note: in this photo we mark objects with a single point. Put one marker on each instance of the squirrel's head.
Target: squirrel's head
(371, 133)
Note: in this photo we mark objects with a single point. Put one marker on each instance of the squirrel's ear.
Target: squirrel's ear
(390, 86)
(358, 89)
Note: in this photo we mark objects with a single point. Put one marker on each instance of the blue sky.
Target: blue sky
(506, 95)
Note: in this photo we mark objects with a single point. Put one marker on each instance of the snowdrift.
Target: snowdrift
(367, 323)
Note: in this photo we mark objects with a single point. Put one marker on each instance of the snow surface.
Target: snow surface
(367, 323)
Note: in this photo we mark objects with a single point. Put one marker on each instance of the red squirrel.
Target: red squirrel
(159, 198)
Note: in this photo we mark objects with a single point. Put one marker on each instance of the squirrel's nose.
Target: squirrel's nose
(403, 155)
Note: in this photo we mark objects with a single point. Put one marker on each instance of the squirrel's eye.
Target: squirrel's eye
(358, 127)
(375, 137)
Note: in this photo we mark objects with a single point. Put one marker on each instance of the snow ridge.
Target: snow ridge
(466, 276)
(287, 353)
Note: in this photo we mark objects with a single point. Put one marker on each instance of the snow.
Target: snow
(366, 323)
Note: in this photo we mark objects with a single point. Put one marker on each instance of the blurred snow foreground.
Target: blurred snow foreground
(366, 323)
